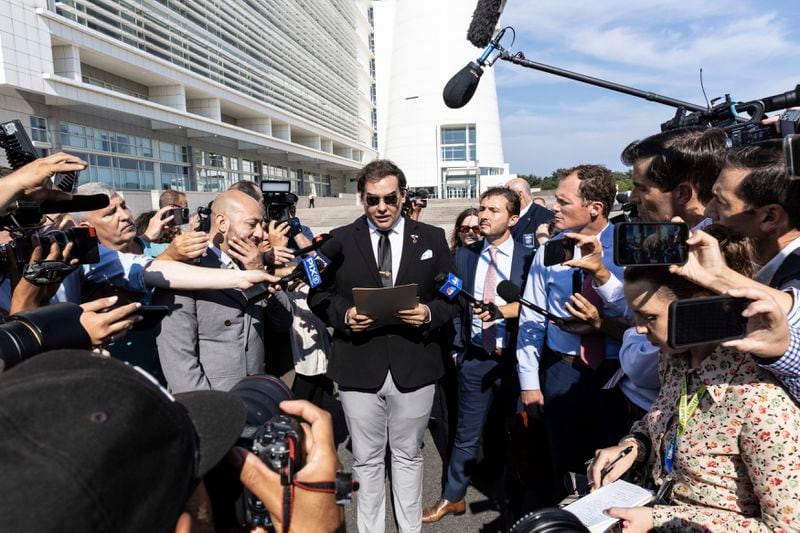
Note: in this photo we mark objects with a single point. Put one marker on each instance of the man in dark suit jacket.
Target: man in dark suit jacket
(531, 216)
(386, 370)
(487, 362)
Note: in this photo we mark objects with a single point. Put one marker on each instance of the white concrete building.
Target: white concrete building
(195, 95)
(419, 46)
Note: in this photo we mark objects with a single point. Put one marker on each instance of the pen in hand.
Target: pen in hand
(610, 466)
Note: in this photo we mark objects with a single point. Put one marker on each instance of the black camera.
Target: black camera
(180, 216)
(20, 151)
(279, 201)
(415, 198)
(203, 219)
(53, 327)
(83, 239)
(278, 440)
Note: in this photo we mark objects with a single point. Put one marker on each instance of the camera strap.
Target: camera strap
(343, 488)
(47, 272)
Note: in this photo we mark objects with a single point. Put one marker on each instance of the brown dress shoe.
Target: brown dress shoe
(442, 508)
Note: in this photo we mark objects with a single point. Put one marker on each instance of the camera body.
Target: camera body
(280, 444)
(278, 440)
(20, 151)
(180, 216)
(83, 239)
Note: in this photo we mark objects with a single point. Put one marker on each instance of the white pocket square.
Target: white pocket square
(427, 254)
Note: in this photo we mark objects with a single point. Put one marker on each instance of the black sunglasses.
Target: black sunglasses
(466, 229)
(389, 199)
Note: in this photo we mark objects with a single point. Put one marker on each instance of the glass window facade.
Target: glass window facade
(458, 143)
(124, 161)
(39, 129)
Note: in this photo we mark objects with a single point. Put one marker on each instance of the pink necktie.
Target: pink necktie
(593, 345)
(489, 293)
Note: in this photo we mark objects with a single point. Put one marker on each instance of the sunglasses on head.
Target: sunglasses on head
(467, 229)
(389, 199)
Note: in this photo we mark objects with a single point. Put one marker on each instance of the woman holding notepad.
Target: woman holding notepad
(722, 431)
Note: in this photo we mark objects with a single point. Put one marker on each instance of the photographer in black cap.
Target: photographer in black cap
(92, 444)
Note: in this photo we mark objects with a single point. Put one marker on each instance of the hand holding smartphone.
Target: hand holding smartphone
(698, 321)
(557, 251)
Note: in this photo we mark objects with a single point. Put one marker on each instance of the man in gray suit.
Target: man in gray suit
(214, 339)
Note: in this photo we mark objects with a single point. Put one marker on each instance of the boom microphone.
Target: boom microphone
(461, 87)
(316, 243)
(484, 21)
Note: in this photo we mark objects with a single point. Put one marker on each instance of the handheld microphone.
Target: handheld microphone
(451, 286)
(316, 243)
(309, 270)
(510, 293)
(89, 202)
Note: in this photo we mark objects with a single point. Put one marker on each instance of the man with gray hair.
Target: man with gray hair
(530, 217)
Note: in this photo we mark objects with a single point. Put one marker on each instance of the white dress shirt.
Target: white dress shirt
(767, 272)
(395, 239)
(504, 257)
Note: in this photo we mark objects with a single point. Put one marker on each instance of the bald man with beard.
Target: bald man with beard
(214, 339)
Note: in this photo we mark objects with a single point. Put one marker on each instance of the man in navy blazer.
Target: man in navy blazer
(531, 216)
(486, 355)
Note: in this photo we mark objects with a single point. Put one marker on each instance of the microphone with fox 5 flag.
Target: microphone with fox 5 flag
(451, 286)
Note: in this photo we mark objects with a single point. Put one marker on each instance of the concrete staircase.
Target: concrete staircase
(441, 213)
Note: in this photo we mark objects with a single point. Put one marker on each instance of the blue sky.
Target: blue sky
(747, 48)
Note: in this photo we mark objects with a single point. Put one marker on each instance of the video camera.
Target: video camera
(418, 198)
(280, 204)
(20, 151)
(744, 131)
(25, 218)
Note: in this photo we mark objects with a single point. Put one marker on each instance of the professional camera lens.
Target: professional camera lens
(261, 396)
(48, 328)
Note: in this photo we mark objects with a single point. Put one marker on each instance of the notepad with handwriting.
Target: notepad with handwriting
(589, 509)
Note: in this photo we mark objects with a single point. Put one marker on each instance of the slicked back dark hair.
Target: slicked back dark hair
(687, 155)
(597, 185)
(512, 198)
(378, 169)
(768, 180)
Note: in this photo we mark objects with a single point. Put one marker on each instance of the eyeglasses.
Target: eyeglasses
(466, 229)
(389, 199)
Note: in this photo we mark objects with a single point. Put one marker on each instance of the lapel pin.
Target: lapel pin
(414, 238)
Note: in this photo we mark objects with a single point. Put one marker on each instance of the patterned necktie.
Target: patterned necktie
(593, 345)
(489, 293)
(385, 258)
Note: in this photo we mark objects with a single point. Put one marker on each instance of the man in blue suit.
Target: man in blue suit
(531, 215)
(486, 355)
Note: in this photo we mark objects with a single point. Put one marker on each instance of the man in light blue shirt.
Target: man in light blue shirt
(561, 368)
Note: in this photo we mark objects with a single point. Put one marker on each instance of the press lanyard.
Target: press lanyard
(686, 409)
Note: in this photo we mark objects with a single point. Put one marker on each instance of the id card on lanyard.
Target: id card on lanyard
(686, 408)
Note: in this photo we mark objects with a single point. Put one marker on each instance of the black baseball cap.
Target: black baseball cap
(93, 444)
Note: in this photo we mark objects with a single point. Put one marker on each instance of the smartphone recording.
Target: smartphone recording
(710, 320)
(557, 251)
(650, 243)
(180, 216)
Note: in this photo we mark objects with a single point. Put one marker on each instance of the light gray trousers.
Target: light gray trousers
(401, 418)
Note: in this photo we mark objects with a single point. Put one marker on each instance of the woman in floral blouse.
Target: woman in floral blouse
(736, 464)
